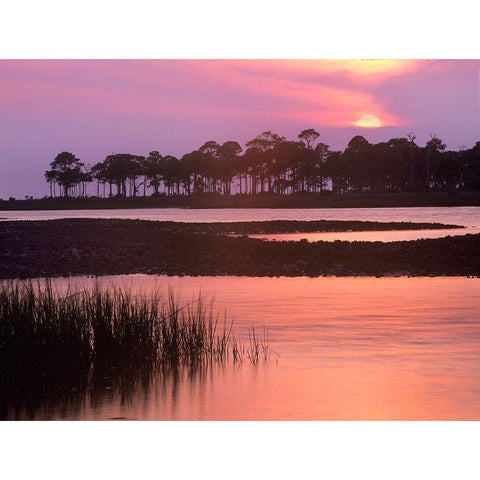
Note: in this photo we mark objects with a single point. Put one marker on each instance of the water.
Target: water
(376, 236)
(465, 216)
(350, 349)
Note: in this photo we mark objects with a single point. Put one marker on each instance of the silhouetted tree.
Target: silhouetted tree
(98, 173)
(356, 163)
(434, 147)
(50, 177)
(272, 164)
(470, 164)
(447, 171)
(196, 163)
(412, 147)
(227, 160)
(261, 154)
(66, 171)
(309, 137)
(154, 170)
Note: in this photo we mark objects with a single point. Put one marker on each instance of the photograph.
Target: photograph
(239, 239)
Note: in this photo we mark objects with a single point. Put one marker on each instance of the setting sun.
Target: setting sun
(369, 121)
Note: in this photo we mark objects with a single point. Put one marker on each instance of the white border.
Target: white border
(248, 29)
(240, 450)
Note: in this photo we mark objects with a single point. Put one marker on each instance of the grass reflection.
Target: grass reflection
(58, 349)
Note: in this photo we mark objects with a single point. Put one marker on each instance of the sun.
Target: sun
(369, 121)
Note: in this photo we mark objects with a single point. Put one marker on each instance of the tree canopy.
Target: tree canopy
(272, 164)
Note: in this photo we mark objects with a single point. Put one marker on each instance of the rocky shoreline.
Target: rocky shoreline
(32, 249)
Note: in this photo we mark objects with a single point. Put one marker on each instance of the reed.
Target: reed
(44, 328)
(62, 342)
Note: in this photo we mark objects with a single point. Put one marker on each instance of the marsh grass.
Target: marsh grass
(66, 341)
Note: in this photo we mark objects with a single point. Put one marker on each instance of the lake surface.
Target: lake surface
(375, 236)
(464, 216)
(350, 349)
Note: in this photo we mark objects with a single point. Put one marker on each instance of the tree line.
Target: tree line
(272, 164)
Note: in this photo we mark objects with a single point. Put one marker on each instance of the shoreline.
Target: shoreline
(73, 247)
(212, 201)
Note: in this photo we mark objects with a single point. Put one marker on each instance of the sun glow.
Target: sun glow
(369, 121)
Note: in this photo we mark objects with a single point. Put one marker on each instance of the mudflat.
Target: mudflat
(109, 247)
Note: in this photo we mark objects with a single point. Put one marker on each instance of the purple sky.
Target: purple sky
(95, 107)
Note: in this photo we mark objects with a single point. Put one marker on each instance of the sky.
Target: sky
(93, 108)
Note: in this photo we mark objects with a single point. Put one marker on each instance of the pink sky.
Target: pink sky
(95, 107)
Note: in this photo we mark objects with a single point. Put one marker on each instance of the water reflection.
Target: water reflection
(351, 349)
(107, 392)
(465, 216)
(374, 236)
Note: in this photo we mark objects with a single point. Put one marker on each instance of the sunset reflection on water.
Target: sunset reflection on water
(350, 349)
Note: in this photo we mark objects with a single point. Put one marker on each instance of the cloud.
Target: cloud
(302, 90)
(94, 107)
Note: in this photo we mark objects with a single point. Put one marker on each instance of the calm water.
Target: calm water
(465, 216)
(351, 348)
(380, 236)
